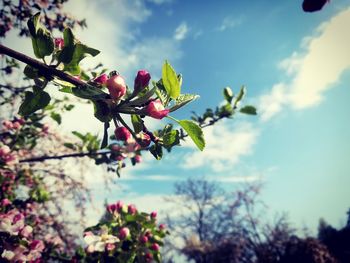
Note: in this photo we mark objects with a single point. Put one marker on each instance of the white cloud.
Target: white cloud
(181, 31)
(229, 22)
(226, 143)
(326, 56)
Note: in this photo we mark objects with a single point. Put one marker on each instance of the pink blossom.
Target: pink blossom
(122, 134)
(155, 109)
(132, 209)
(27, 231)
(17, 125)
(155, 247)
(116, 86)
(4, 150)
(110, 247)
(5, 202)
(142, 80)
(144, 139)
(153, 214)
(12, 222)
(143, 239)
(102, 79)
(138, 158)
(124, 232)
(59, 43)
(148, 256)
(162, 226)
(7, 125)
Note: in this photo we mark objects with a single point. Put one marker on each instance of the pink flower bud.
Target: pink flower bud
(162, 226)
(138, 158)
(153, 214)
(155, 247)
(145, 139)
(7, 125)
(143, 239)
(111, 208)
(110, 247)
(122, 134)
(37, 245)
(5, 202)
(148, 256)
(16, 125)
(59, 43)
(155, 109)
(132, 209)
(116, 86)
(142, 79)
(124, 233)
(119, 205)
(102, 79)
(148, 234)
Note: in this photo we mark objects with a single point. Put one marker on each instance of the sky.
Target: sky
(295, 66)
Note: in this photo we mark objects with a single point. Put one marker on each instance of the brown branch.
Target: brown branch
(43, 68)
(59, 157)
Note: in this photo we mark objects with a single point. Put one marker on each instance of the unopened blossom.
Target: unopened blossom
(8, 125)
(122, 134)
(148, 256)
(155, 247)
(59, 43)
(132, 209)
(102, 79)
(162, 226)
(155, 109)
(124, 232)
(16, 125)
(138, 158)
(5, 202)
(141, 80)
(4, 150)
(144, 139)
(143, 239)
(153, 214)
(116, 87)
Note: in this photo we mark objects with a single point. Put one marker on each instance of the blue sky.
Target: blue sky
(296, 68)
(298, 145)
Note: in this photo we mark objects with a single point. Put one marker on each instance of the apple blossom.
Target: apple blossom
(102, 79)
(122, 134)
(141, 80)
(124, 232)
(155, 247)
(59, 43)
(155, 109)
(116, 87)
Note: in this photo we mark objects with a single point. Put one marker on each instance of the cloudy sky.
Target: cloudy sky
(296, 68)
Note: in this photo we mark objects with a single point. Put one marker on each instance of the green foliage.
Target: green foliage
(34, 101)
(42, 41)
(170, 81)
(251, 110)
(66, 55)
(194, 131)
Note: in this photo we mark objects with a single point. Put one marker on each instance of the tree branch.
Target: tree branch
(58, 157)
(43, 68)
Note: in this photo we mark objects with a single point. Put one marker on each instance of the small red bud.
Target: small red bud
(122, 134)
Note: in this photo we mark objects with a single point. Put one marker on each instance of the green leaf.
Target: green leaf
(31, 72)
(33, 102)
(182, 100)
(80, 52)
(157, 151)
(105, 136)
(239, 96)
(43, 44)
(101, 111)
(194, 131)
(69, 146)
(171, 138)
(56, 117)
(251, 110)
(228, 94)
(136, 123)
(90, 93)
(67, 52)
(170, 80)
